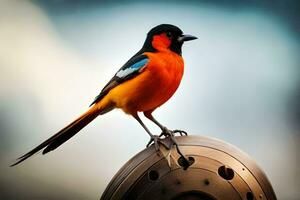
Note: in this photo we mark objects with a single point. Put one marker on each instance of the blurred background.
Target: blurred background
(241, 85)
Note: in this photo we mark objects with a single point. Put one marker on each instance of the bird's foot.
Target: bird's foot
(171, 135)
(166, 132)
(156, 140)
(171, 140)
(181, 132)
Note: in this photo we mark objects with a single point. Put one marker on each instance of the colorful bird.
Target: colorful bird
(144, 83)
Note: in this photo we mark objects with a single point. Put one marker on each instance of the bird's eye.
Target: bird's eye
(169, 34)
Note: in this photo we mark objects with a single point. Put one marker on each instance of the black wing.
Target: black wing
(126, 72)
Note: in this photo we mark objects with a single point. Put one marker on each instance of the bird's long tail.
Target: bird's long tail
(64, 134)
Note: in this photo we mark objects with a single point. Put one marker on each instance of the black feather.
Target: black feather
(62, 136)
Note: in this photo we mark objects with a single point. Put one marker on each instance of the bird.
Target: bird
(144, 83)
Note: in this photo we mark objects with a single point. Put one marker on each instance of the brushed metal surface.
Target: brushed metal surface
(220, 171)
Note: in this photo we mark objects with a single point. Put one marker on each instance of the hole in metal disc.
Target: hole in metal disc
(182, 162)
(226, 172)
(206, 182)
(153, 175)
(249, 196)
(193, 195)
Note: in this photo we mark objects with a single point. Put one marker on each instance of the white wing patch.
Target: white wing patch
(133, 68)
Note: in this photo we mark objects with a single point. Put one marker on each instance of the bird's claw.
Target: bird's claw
(171, 134)
(167, 133)
(156, 140)
(181, 132)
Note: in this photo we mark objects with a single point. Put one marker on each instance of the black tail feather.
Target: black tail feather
(62, 136)
(70, 132)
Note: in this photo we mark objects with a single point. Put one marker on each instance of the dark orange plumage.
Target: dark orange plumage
(158, 82)
(144, 83)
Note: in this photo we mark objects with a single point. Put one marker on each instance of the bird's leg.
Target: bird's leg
(153, 138)
(165, 130)
(168, 134)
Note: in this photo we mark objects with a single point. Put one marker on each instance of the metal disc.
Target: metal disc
(219, 171)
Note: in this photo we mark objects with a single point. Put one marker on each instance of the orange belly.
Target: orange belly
(153, 87)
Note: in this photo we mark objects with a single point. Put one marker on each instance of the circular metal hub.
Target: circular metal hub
(219, 171)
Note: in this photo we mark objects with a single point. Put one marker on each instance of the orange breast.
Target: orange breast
(153, 87)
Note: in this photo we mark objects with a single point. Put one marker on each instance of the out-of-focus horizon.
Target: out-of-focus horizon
(241, 85)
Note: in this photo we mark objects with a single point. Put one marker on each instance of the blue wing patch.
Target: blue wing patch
(132, 69)
(127, 71)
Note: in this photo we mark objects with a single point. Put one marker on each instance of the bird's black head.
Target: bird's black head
(166, 36)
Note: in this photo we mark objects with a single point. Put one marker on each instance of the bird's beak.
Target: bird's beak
(186, 37)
